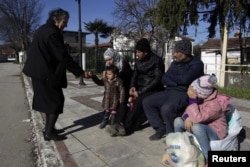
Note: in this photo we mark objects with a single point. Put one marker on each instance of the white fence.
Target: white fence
(235, 75)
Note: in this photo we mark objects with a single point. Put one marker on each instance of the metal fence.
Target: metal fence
(96, 63)
(237, 76)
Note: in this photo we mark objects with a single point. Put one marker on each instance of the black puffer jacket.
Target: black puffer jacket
(147, 74)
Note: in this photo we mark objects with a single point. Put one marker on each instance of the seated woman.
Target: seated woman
(205, 114)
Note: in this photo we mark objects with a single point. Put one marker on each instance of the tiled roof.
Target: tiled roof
(185, 37)
(7, 51)
(232, 43)
(101, 45)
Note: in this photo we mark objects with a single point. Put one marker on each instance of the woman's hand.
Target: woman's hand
(88, 74)
(188, 124)
(85, 75)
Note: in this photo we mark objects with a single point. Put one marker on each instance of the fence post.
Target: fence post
(223, 57)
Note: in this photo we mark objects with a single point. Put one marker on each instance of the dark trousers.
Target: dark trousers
(136, 117)
(163, 107)
(121, 113)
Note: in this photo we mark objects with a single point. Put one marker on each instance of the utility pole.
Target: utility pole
(81, 82)
(223, 57)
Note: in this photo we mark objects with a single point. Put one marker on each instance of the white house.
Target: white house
(211, 55)
(211, 52)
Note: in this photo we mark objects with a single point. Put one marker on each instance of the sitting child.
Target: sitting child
(205, 114)
(114, 95)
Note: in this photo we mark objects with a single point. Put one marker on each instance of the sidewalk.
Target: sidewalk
(89, 146)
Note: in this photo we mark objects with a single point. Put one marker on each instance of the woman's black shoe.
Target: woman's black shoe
(53, 136)
(57, 131)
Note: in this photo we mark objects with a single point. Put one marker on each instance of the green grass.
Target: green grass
(236, 92)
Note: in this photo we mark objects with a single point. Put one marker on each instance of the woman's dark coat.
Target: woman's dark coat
(47, 61)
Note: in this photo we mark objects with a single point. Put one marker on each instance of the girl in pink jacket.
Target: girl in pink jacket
(205, 115)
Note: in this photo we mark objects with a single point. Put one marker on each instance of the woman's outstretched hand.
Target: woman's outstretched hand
(88, 74)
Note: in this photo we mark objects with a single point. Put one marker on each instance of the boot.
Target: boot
(112, 119)
(113, 130)
(49, 133)
(57, 131)
(121, 130)
(105, 120)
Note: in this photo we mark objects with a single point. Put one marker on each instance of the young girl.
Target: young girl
(205, 115)
(114, 95)
(112, 57)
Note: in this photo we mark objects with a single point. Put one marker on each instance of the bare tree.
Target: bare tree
(137, 19)
(133, 17)
(19, 19)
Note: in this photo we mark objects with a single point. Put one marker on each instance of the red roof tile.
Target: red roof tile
(232, 43)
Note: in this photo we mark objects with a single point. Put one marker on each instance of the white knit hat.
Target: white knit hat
(204, 86)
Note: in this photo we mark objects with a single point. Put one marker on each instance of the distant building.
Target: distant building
(7, 53)
(211, 53)
(72, 38)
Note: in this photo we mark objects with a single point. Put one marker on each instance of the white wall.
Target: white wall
(211, 62)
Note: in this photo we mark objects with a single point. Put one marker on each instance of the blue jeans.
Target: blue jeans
(203, 133)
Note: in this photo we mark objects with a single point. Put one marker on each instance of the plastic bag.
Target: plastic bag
(230, 142)
(183, 150)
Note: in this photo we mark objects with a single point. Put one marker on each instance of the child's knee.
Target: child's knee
(178, 121)
(196, 128)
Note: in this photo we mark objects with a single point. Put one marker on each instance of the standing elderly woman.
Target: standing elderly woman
(112, 57)
(46, 64)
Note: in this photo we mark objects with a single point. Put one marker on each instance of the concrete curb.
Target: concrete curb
(48, 156)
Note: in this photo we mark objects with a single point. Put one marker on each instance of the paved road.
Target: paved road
(15, 130)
